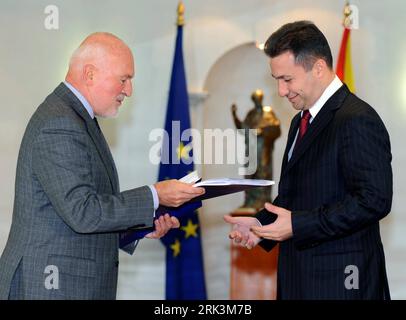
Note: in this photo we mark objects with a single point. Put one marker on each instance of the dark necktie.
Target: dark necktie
(106, 146)
(304, 124)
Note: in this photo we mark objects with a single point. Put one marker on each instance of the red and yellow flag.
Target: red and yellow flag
(344, 65)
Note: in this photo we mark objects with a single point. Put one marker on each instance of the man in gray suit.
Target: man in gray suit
(68, 209)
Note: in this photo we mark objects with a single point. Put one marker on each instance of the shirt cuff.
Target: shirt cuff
(258, 222)
(155, 197)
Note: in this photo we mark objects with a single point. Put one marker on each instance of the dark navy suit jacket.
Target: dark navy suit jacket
(338, 185)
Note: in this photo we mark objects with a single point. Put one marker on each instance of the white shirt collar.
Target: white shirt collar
(328, 92)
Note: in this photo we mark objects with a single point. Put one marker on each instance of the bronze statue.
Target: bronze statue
(267, 125)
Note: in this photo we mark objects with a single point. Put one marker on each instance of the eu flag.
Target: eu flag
(184, 258)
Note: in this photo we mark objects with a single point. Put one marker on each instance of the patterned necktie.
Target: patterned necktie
(304, 124)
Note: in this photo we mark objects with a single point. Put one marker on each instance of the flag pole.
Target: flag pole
(347, 23)
(181, 11)
(344, 64)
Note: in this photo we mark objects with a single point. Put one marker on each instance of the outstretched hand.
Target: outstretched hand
(241, 233)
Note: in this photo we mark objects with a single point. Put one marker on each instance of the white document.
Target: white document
(230, 181)
(193, 177)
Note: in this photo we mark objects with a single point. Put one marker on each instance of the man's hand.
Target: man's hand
(173, 193)
(281, 229)
(241, 233)
(162, 225)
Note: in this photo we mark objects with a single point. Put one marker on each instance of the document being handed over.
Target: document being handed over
(222, 186)
(214, 188)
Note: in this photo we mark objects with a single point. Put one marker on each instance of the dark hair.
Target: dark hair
(304, 40)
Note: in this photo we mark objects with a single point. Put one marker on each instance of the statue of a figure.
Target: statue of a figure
(263, 119)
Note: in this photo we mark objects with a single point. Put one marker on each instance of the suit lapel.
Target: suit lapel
(97, 136)
(291, 137)
(322, 119)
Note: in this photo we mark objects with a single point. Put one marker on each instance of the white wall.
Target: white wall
(33, 61)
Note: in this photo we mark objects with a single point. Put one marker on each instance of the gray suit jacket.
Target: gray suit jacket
(68, 208)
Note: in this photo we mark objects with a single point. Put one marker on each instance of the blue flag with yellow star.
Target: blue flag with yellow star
(184, 258)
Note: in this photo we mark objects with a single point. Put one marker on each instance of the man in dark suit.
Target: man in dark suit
(68, 208)
(335, 183)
